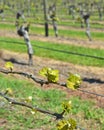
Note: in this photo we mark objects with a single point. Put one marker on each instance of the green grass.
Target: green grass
(73, 23)
(7, 26)
(70, 58)
(19, 46)
(20, 118)
(80, 34)
(86, 109)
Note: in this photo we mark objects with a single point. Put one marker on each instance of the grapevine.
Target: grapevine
(52, 76)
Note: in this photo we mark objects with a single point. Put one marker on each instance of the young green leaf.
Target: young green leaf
(67, 106)
(69, 124)
(9, 91)
(50, 74)
(33, 111)
(43, 72)
(62, 125)
(73, 81)
(9, 65)
(29, 99)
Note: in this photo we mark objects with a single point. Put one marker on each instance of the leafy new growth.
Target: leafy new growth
(67, 106)
(56, 19)
(29, 99)
(9, 91)
(79, 19)
(33, 111)
(69, 124)
(73, 81)
(66, 124)
(9, 65)
(51, 75)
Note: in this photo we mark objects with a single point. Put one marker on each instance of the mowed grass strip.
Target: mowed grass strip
(51, 50)
(40, 30)
(79, 34)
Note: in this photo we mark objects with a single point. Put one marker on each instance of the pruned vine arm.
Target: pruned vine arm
(37, 80)
(13, 101)
(40, 81)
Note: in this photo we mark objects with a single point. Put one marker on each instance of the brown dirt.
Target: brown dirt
(2, 122)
